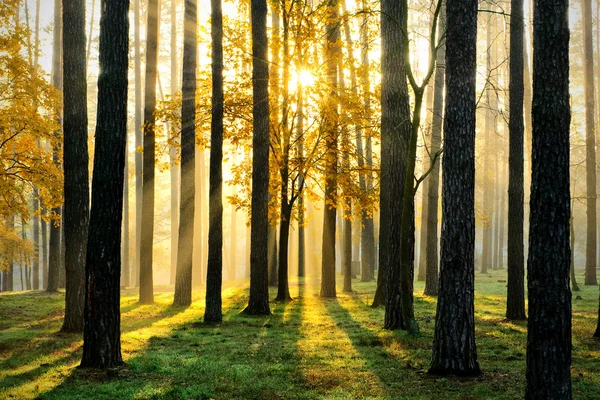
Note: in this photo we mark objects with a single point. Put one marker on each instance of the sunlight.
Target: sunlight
(303, 77)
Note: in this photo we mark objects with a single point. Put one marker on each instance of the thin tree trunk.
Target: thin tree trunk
(147, 234)
(183, 279)
(574, 284)
(431, 251)
(175, 170)
(139, 142)
(515, 296)
(328, 262)
(54, 265)
(590, 143)
(214, 276)
(258, 303)
(75, 125)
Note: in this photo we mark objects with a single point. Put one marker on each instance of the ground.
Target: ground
(310, 348)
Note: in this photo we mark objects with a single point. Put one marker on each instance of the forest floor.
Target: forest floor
(309, 348)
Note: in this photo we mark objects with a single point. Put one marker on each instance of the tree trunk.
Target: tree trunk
(422, 274)
(367, 239)
(454, 350)
(44, 254)
(432, 276)
(258, 303)
(183, 279)
(214, 273)
(147, 234)
(139, 142)
(328, 263)
(101, 336)
(75, 125)
(574, 284)
(272, 254)
(283, 289)
(395, 137)
(490, 131)
(54, 245)
(590, 143)
(502, 223)
(515, 296)
(175, 166)
(549, 329)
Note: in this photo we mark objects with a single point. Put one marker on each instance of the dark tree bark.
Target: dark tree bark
(330, 158)
(549, 333)
(515, 296)
(454, 350)
(54, 265)
(147, 234)
(433, 182)
(590, 143)
(258, 303)
(395, 136)
(183, 279)
(101, 335)
(214, 275)
(76, 189)
(283, 288)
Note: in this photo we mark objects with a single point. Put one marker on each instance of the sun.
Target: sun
(302, 77)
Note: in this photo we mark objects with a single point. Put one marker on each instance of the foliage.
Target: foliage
(28, 125)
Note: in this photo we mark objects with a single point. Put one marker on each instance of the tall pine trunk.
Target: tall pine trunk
(139, 142)
(328, 288)
(549, 328)
(258, 303)
(102, 330)
(515, 296)
(454, 350)
(76, 193)
(395, 137)
(214, 274)
(183, 279)
(54, 265)
(147, 234)
(433, 182)
(590, 143)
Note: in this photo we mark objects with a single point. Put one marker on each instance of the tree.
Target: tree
(101, 335)
(76, 206)
(183, 279)
(214, 277)
(258, 303)
(147, 234)
(515, 297)
(590, 144)
(331, 127)
(549, 334)
(431, 249)
(138, 143)
(175, 168)
(54, 265)
(454, 350)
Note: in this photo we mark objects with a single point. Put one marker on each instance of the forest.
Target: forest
(299, 199)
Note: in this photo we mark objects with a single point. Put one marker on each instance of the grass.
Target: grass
(310, 348)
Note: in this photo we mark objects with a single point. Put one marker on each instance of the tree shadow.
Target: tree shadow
(243, 357)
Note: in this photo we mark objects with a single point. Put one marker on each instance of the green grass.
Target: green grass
(308, 349)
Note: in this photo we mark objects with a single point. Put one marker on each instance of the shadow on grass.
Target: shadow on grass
(243, 357)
